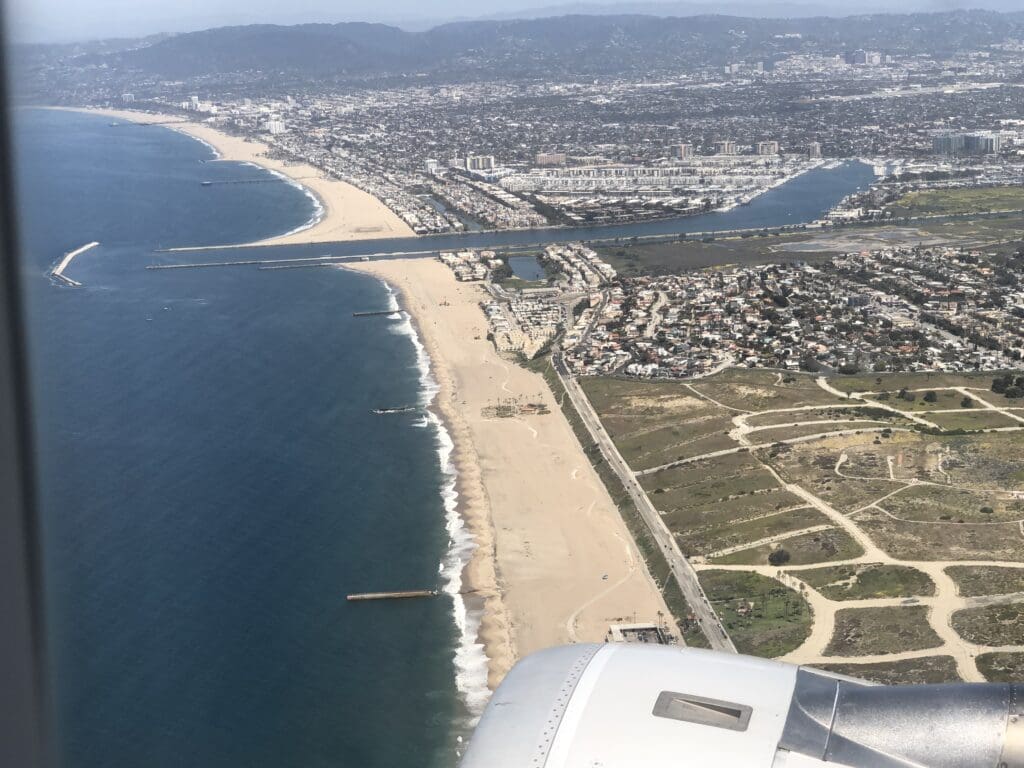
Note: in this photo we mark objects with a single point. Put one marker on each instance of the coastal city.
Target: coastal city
(524, 153)
(457, 346)
(898, 309)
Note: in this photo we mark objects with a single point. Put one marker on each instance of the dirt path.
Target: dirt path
(941, 605)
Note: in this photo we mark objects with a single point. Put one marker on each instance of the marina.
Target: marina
(792, 205)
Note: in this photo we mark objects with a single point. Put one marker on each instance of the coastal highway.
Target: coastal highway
(684, 573)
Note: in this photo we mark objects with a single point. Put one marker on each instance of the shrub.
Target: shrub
(778, 557)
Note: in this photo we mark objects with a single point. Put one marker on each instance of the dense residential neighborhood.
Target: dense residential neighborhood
(894, 309)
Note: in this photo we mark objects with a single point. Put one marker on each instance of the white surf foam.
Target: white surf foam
(213, 150)
(470, 660)
(318, 207)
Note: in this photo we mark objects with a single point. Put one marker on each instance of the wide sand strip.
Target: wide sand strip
(349, 212)
(555, 562)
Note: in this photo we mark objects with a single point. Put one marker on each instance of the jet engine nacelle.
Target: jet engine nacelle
(636, 705)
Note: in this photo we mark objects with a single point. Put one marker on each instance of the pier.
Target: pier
(359, 596)
(58, 271)
(375, 313)
(312, 261)
(274, 180)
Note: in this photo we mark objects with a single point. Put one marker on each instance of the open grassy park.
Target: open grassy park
(864, 497)
(763, 617)
(958, 201)
(868, 580)
(994, 232)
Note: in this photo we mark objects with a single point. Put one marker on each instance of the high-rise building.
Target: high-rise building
(952, 143)
(275, 127)
(767, 147)
(868, 58)
(983, 143)
(725, 147)
(550, 158)
(127, 98)
(948, 143)
(682, 151)
(814, 150)
(433, 167)
(480, 162)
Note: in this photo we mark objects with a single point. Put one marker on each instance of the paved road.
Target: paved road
(684, 573)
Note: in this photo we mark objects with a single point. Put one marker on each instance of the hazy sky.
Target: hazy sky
(64, 20)
(82, 19)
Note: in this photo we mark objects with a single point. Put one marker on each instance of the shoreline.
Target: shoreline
(554, 562)
(478, 585)
(345, 211)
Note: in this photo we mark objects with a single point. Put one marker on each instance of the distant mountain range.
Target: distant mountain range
(568, 45)
(773, 9)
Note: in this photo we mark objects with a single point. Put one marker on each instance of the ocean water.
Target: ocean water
(214, 481)
(800, 200)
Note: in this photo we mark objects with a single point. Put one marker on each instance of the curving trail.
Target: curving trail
(941, 605)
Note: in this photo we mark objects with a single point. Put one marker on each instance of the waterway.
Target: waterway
(801, 200)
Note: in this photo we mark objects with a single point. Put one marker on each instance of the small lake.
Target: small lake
(526, 268)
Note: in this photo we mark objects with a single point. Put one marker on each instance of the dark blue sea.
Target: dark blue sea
(214, 481)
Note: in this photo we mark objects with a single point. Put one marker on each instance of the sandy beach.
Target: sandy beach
(348, 212)
(555, 563)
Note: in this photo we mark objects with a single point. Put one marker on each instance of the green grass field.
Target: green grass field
(894, 382)
(956, 201)
(762, 617)
(727, 534)
(860, 582)
(971, 419)
(681, 256)
(805, 549)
